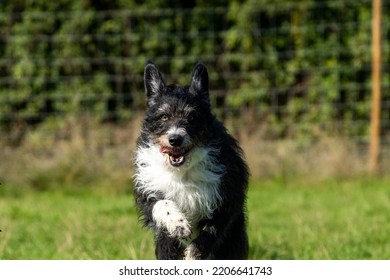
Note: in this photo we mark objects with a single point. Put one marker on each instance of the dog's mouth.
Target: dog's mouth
(177, 157)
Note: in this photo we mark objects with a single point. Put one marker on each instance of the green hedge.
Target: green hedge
(301, 66)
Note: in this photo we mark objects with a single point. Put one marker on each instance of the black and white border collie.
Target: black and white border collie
(191, 179)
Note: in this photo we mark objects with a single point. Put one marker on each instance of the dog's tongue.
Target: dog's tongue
(171, 152)
(164, 150)
(176, 157)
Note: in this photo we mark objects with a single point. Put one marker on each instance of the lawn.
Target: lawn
(327, 220)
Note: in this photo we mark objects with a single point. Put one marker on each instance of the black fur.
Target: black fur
(223, 235)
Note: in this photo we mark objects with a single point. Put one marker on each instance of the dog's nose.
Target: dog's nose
(175, 140)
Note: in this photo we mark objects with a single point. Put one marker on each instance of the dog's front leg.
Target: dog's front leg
(192, 252)
(167, 216)
(200, 248)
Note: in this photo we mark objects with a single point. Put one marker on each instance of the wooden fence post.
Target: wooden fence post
(376, 87)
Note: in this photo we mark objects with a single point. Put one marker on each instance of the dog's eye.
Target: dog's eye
(190, 118)
(164, 118)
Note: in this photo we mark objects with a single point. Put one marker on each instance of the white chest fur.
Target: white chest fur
(194, 187)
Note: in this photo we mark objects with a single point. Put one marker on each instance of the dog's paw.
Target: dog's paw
(167, 215)
(178, 227)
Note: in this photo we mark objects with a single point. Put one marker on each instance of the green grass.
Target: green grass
(55, 225)
(327, 220)
(331, 220)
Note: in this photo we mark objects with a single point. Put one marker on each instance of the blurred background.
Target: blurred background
(292, 80)
(286, 77)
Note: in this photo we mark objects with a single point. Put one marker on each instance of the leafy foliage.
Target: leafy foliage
(303, 66)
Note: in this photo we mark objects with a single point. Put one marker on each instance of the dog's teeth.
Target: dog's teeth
(176, 160)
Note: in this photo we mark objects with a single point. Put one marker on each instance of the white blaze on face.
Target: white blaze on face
(178, 131)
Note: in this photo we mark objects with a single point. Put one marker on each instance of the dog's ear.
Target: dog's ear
(200, 81)
(154, 83)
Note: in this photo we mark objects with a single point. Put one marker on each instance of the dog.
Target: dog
(191, 178)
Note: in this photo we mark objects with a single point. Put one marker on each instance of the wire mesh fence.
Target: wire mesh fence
(286, 69)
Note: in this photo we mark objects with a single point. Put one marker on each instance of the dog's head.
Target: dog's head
(177, 116)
